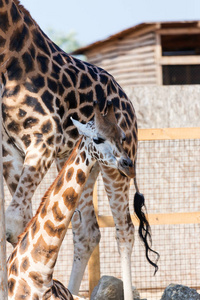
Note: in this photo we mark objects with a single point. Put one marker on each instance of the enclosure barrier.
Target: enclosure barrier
(158, 219)
(168, 174)
(3, 268)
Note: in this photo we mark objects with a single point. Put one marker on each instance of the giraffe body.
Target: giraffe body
(42, 87)
(31, 265)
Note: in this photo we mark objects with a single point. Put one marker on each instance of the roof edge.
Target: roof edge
(127, 31)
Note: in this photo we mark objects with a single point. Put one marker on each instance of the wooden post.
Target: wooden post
(94, 262)
(158, 53)
(3, 266)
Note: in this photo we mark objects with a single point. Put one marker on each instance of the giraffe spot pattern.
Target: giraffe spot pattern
(37, 279)
(26, 139)
(23, 291)
(83, 156)
(30, 122)
(43, 63)
(14, 127)
(35, 228)
(14, 13)
(77, 162)
(40, 42)
(53, 230)
(33, 102)
(14, 70)
(24, 243)
(80, 177)
(57, 213)
(69, 174)
(28, 62)
(25, 264)
(35, 297)
(19, 38)
(4, 22)
(59, 183)
(46, 127)
(13, 268)
(42, 251)
(70, 198)
(43, 212)
(11, 286)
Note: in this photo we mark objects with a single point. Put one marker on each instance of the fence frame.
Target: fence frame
(3, 260)
(154, 219)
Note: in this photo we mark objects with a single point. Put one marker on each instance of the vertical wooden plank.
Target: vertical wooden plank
(158, 53)
(94, 262)
(3, 266)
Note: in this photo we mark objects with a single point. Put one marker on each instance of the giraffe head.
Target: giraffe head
(106, 141)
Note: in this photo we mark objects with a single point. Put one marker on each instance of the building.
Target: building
(160, 53)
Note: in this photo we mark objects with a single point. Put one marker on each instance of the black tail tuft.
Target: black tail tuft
(144, 228)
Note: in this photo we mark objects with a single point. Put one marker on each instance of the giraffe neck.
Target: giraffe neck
(16, 40)
(41, 241)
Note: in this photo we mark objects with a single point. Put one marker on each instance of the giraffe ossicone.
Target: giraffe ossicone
(31, 264)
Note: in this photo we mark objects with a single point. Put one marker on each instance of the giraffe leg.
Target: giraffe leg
(12, 166)
(117, 188)
(19, 211)
(86, 233)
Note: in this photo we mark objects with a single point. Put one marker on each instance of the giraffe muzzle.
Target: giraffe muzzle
(126, 167)
(10, 239)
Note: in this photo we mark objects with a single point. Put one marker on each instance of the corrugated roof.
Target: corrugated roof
(122, 34)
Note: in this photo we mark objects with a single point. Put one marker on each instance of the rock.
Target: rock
(136, 294)
(111, 288)
(180, 292)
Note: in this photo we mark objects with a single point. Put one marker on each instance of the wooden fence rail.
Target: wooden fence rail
(154, 219)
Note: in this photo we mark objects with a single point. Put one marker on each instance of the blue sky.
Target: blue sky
(95, 20)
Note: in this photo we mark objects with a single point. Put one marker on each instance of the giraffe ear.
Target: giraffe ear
(83, 129)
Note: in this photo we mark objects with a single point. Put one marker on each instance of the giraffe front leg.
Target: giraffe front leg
(19, 211)
(117, 188)
(12, 166)
(86, 233)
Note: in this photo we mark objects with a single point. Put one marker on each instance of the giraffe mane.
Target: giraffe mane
(23, 9)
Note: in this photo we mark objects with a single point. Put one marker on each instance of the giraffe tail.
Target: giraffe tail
(144, 227)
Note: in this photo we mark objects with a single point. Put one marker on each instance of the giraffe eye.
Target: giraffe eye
(123, 140)
(98, 140)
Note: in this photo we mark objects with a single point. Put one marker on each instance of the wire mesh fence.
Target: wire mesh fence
(168, 173)
(169, 176)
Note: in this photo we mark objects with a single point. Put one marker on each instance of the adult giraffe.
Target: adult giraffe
(42, 87)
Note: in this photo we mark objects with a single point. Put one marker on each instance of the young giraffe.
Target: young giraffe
(42, 87)
(31, 265)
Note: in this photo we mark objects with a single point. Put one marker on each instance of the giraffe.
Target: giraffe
(42, 88)
(31, 264)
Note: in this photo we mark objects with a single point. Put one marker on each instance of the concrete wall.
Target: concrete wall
(166, 106)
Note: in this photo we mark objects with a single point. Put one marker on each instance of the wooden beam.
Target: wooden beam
(3, 264)
(158, 55)
(180, 60)
(157, 219)
(94, 270)
(175, 31)
(169, 134)
(94, 261)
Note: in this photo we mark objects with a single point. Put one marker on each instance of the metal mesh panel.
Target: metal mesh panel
(168, 175)
(181, 74)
